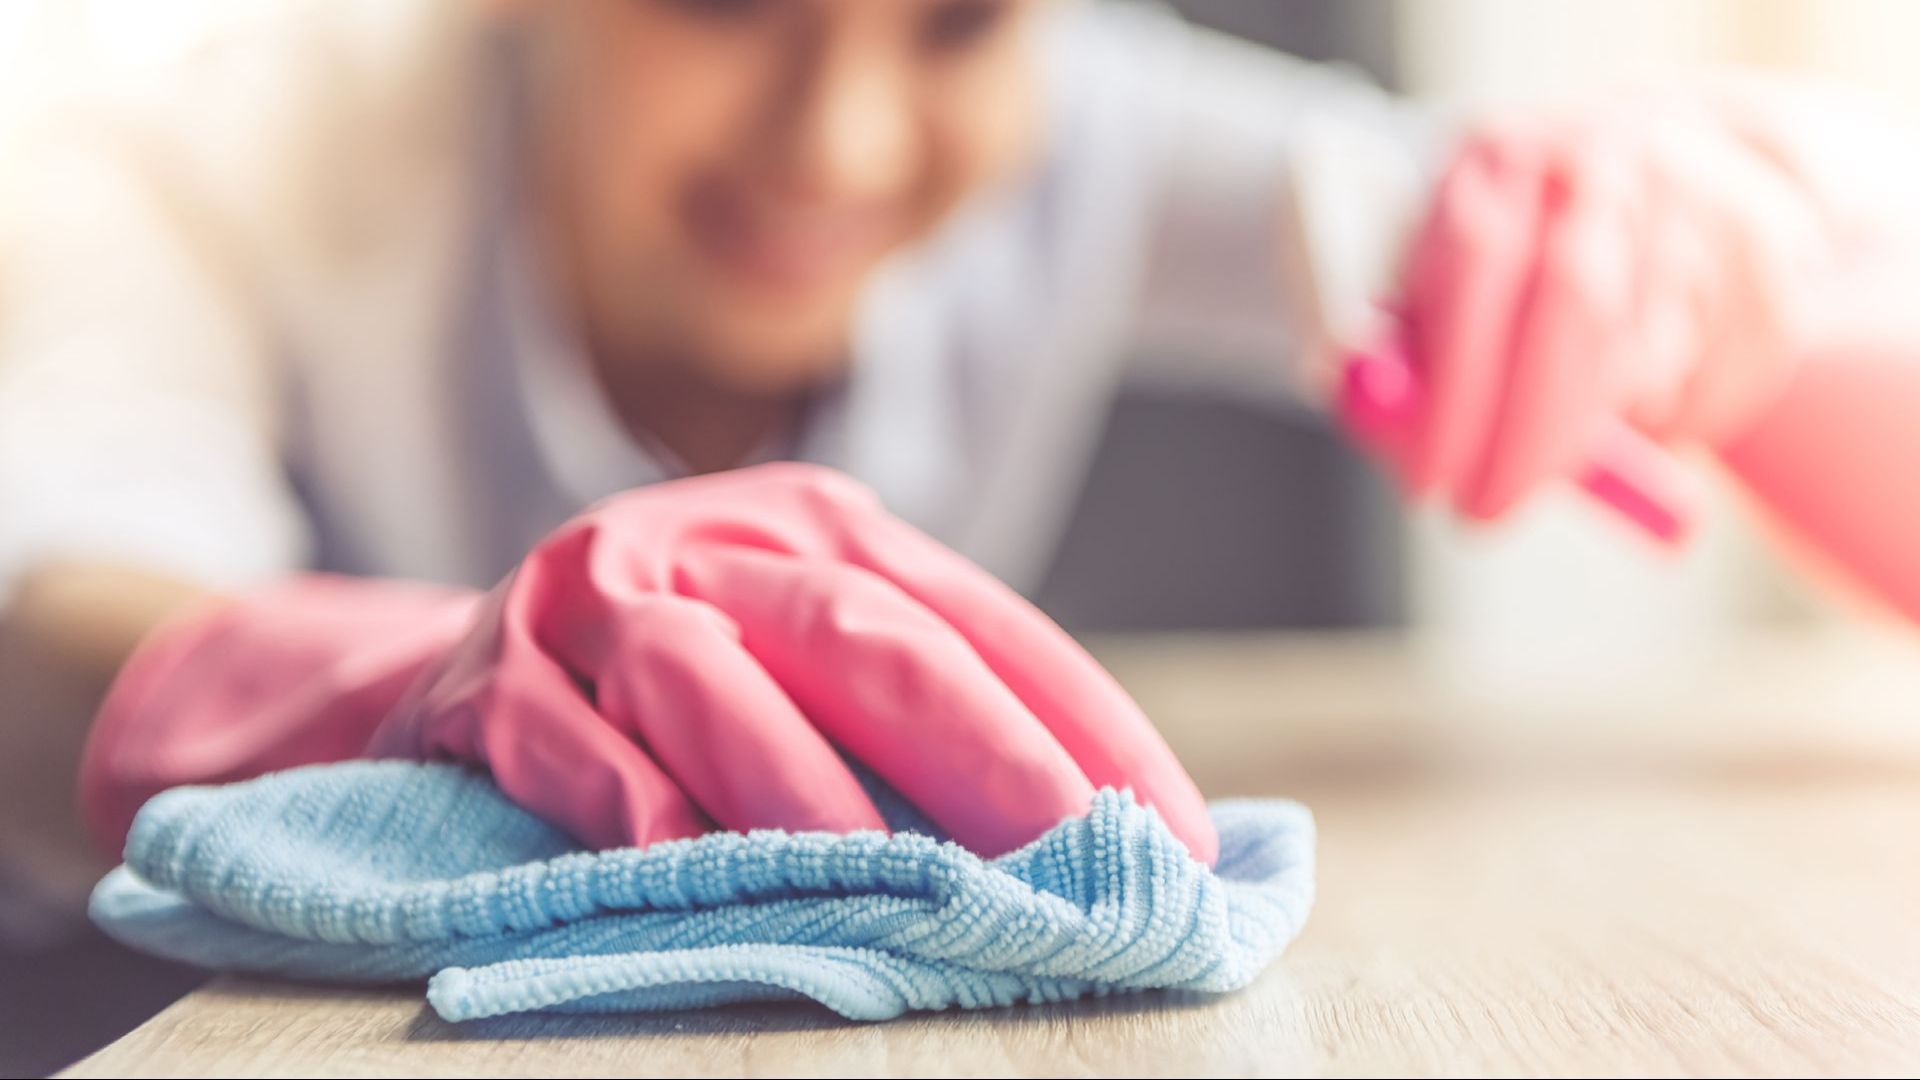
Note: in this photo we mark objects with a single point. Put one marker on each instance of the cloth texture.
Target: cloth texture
(388, 871)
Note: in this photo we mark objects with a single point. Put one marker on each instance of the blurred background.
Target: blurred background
(1210, 509)
(1308, 537)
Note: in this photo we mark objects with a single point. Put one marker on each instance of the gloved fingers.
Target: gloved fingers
(1569, 331)
(671, 673)
(808, 513)
(1059, 683)
(1773, 257)
(501, 701)
(899, 689)
(1470, 266)
(1672, 304)
(1843, 149)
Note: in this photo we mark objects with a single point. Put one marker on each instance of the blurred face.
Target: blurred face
(718, 178)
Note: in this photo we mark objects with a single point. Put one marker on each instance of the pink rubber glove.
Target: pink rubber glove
(300, 672)
(1732, 264)
(1656, 258)
(677, 658)
(1836, 460)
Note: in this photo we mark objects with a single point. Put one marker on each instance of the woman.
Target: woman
(398, 293)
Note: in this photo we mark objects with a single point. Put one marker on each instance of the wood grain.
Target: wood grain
(1723, 881)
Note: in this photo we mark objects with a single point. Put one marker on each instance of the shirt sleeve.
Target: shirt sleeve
(1221, 124)
(137, 405)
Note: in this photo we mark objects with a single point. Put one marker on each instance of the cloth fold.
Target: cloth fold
(388, 871)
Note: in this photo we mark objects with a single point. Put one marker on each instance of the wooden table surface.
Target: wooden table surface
(1714, 872)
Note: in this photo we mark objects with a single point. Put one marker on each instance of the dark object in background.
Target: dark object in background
(64, 1003)
(1203, 512)
(1358, 32)
(66, 989)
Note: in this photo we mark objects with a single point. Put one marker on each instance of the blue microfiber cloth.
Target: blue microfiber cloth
(384, 871)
